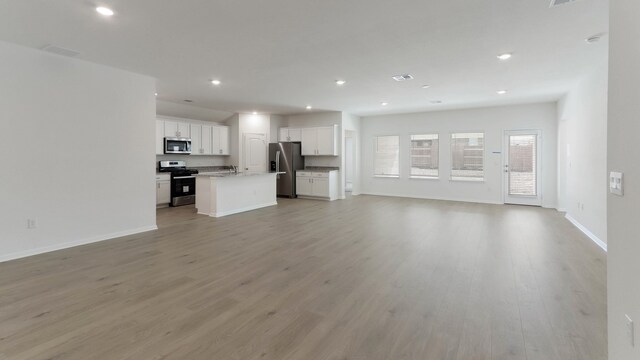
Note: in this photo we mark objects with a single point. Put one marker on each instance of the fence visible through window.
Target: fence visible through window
(425, 156)
(467, 156)
(522, 165)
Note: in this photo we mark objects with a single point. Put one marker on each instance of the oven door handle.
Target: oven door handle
(184, 177)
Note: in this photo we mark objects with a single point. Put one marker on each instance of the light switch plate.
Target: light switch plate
(616, 185)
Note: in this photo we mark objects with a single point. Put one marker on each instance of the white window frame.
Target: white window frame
(484, 156)
(375, 152)
(423, 177)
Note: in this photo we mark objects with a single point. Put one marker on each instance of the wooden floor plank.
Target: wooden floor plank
(364, 278)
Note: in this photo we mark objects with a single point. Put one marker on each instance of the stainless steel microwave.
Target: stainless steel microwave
(174, 145)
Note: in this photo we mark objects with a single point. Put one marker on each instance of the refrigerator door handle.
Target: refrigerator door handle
(278, 164)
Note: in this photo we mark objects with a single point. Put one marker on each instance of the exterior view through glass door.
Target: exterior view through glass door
(522, 167)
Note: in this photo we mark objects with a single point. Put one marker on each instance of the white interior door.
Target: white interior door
(255, 153)
(349, 164)
(522, 167)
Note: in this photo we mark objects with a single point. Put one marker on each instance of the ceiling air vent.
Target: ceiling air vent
(555, 3)
(60, 51)
(403, 77)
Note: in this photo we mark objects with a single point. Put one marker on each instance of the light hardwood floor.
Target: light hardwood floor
(365, 278)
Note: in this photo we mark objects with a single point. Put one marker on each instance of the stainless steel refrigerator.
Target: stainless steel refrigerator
(286, 157)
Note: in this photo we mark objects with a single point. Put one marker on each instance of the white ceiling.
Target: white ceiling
(278, 56)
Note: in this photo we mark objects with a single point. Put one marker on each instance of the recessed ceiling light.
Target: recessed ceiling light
(188, 100)
(384, 103)
(501, 92)
(255, 113)
(426, 86)
(340, 82)
(308, 107)
(156, 94)
(104, 11)
(216, 82)
(505, 56)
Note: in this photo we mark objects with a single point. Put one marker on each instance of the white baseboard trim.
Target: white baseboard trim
(236, 211)
(70, 244)
(432, 198)
(562, 210)
(586, 231)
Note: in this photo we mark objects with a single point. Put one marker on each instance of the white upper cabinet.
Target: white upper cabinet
(206, 142)
(283, 136)
(320, 141)
(205, 139)
(327, 144)
(295, 134)
(290, 134)
(196, 140)
(176, 129)
(202, 140)
(220, 140)
(309, 141)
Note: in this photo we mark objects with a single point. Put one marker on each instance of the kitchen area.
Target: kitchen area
(246, 162)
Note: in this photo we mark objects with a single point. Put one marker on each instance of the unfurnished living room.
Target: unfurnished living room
(320, 180)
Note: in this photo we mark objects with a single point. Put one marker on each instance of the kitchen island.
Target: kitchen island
(222, 194)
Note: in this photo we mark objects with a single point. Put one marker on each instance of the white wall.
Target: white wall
(493, 121)
(582, 151)
(623, 155)
(275, 123)
(181, 110)
(80, 151)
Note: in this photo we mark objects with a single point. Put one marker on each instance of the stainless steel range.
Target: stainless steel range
(183, 182)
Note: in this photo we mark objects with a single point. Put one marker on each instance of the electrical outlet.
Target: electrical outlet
(630, 331)
(32, 224)
(616, 184)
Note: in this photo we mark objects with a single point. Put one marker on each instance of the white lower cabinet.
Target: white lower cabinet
(303, 185)
(322, 185)
(163, 189)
